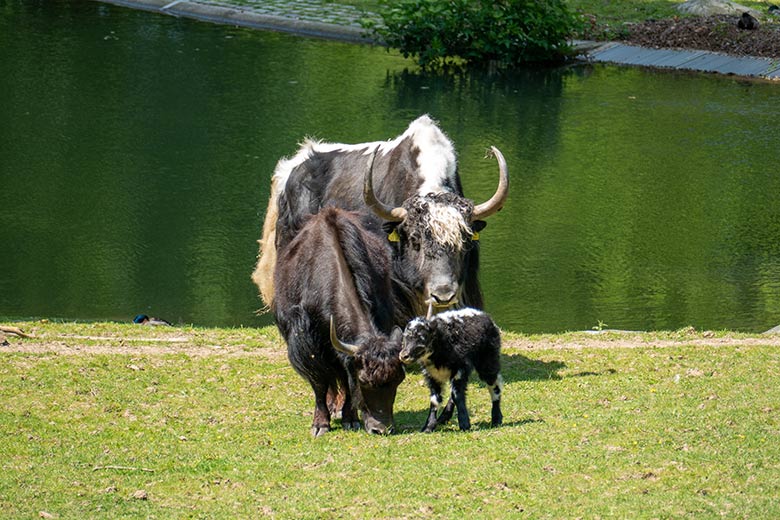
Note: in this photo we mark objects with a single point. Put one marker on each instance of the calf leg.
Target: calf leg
(436, 400)
(446, 413)
(496, 388)
(459, 384)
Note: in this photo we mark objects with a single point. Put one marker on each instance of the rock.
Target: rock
(712, 7)
(773, 330)
(141, 495)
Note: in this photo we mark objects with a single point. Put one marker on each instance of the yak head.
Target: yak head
(377, 373)
(433, 234)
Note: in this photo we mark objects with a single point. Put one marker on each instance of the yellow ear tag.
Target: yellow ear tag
(475, 236)
(393, 237)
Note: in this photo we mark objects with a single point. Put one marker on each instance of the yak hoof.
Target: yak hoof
(354, 426)
(319, 431)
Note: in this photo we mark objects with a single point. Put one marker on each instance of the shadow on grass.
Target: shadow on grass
(407, 422)
(516, 367)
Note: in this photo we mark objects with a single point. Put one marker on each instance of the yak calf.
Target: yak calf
(449, 346)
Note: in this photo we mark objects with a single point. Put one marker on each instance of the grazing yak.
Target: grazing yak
(412, 198)
(449, 346)
(332, 305)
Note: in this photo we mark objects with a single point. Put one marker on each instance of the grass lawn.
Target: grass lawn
(116, 421)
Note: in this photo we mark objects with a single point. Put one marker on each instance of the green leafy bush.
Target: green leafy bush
(503, 32)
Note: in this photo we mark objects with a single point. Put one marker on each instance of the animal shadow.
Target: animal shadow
(516, 367)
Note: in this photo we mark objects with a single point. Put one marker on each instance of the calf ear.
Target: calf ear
(397, 335)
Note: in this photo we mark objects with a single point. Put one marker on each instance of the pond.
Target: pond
(136, 152)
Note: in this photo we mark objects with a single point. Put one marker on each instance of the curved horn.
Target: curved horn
(381, 210)
(344, 348)
(496, 202)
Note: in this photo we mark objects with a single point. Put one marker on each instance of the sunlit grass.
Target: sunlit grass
(216, 425)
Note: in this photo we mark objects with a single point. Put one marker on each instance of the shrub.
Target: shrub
(506, 32)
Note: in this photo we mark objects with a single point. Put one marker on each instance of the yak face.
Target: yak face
(417, 343)
(434, 231)
(433, 240)
(376, 373)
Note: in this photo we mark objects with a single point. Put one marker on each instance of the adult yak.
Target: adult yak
(333, 308)
(408, 190)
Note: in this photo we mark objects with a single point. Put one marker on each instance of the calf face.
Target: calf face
(417, 342)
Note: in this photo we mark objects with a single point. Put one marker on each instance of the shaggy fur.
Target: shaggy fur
(334, 268)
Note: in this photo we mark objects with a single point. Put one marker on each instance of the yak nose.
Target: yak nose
(443, 296)
(375, 427)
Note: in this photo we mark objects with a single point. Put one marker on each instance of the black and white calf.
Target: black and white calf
(449, 346)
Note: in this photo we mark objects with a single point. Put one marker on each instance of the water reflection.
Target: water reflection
(135, 153)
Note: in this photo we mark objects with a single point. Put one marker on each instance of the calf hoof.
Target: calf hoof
(428, 428)
(319, 431)
(497, 420)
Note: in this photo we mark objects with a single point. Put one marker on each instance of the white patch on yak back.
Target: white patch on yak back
(447, 225)
(309, 146)
(436, 160)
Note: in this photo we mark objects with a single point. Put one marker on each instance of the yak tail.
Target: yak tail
(263, 275)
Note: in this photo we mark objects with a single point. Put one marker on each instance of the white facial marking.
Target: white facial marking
(447, 225)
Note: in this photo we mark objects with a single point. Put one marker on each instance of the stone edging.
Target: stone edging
(235, 15)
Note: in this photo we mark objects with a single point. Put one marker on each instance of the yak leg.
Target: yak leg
(321, 423)
(349, 418)
(436, 400)
(335, 401)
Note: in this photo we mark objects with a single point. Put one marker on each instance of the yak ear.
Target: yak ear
(397, 335)
(389, 227)
(478, 225)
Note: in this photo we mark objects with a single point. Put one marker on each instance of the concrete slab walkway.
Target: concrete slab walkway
(704, 61)
(321, 19)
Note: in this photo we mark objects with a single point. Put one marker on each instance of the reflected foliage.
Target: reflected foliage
(136, 152)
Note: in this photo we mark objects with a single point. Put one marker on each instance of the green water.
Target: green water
(136, 151)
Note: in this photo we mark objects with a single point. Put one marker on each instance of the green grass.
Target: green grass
(213, 423)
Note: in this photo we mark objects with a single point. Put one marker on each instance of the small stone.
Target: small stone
(141, 495)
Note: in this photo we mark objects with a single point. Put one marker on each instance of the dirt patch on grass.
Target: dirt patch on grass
(265, 343)
(711, 33)
(151, 341)
(632, 340)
